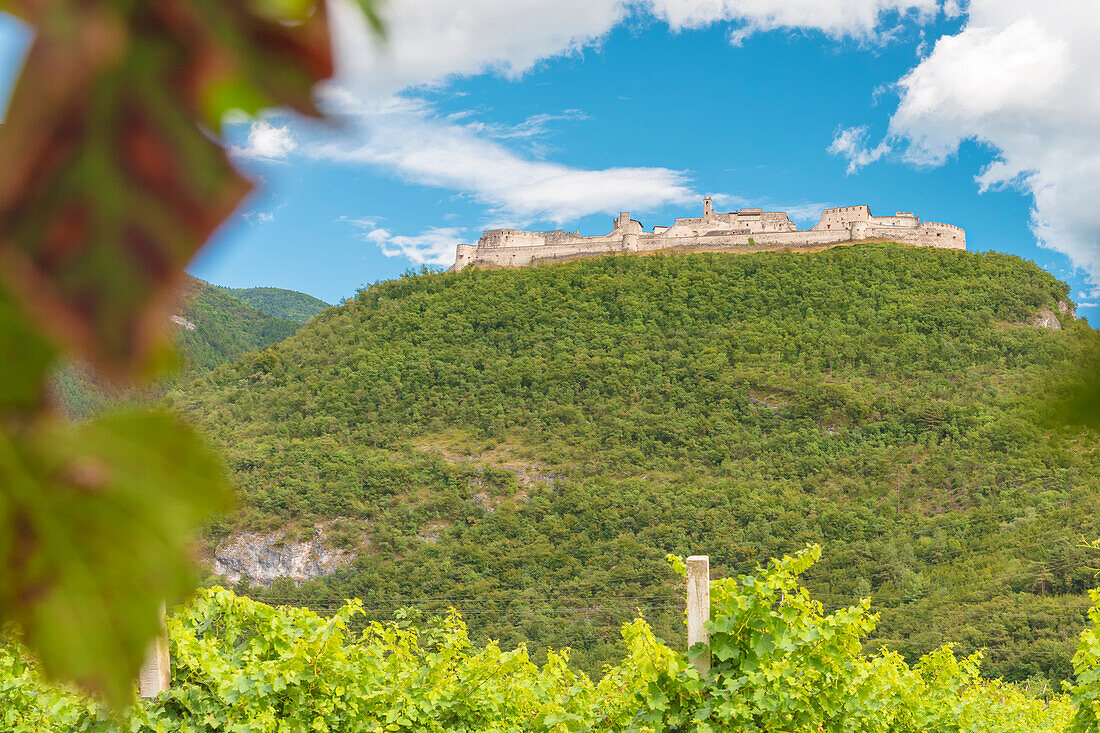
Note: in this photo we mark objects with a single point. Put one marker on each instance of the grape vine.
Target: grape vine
(780, 663)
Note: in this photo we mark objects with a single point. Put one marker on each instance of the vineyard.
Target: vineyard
(779, 663)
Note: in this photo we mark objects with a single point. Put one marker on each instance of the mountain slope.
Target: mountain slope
(527, 445)
(280, 303)
(210, 327)
(225, 327)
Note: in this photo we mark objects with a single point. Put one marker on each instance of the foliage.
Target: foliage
(280, 303)
(779, 662)
(1086, 666)
(503, 438)
(109, 185)
(67, 491)
(243, 665)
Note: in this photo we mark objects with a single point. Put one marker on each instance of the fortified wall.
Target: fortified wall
(744, 230)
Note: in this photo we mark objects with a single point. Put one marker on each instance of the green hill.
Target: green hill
(280, 303)
(210, 327)
(526, 445)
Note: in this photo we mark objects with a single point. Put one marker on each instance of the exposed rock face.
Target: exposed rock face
(181, 321)
(263, 558)
(1045, 318)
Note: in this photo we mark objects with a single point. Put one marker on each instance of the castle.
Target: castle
(744, 230)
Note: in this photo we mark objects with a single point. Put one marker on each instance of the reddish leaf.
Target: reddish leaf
(107, 184)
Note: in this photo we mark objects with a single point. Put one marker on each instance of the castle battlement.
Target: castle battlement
(746, 229)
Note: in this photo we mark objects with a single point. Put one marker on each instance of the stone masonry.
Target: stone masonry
(747, 230)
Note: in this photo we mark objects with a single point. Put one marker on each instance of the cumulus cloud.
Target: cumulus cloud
(861, 19)
(266, 142)
(851, 143)
(404, 136)
(434, 246)
(430, 41)
(1020, 78)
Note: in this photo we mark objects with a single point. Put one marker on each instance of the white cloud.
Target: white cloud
(851, 143)
(434, 246)
(406, 138)
(1020, 78)
(259, 217)
(860, 19)
(534, 126)
(429, 41)
(267, 142)
(803, 213)
(952, 8)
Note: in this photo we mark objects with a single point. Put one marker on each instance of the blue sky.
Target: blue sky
(540, 114)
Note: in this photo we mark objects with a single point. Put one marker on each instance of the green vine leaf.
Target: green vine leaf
(94, 523)
(26, 357)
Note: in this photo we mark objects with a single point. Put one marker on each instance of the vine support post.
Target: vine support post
(698, 608)
(155, 676)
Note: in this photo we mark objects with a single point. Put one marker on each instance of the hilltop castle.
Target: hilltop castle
(744, 230)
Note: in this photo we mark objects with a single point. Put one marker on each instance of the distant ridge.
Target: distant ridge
(280, 303)
(209, 326)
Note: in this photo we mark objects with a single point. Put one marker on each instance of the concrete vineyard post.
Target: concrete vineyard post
(698, 607)
(155, 675)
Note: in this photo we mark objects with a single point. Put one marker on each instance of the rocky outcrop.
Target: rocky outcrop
(1045, 318)
(261, 558)
(181, 321)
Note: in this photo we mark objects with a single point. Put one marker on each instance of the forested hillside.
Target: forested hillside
(280, 303)
(210, 327)
(527, 445)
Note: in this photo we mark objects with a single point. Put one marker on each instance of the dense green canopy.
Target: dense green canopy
(528, 444)
(280, 303)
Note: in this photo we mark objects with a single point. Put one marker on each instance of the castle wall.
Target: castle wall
(525, 256)
(520, 238)
(843, 216)
(747, 230)
(465, 254)
(896, 221)
(748, 221)
(928, 234)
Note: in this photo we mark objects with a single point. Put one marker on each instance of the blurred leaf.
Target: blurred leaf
(1075, 393)
(107, 184)
(94, 522)
(370, 11)
(25, 355)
